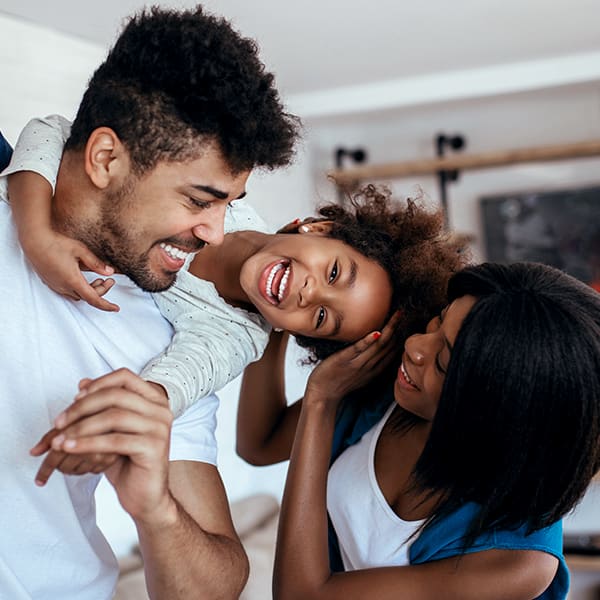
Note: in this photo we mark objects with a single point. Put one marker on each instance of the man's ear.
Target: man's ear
(318, 227)
(105, 157)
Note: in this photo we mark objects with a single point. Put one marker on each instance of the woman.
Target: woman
(457, 487)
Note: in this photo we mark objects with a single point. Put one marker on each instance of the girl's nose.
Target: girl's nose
(307, 292)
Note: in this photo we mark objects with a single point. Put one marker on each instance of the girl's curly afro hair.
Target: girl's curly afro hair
(409, 242)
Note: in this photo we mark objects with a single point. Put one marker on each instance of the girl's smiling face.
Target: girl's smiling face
(317, 286)
(425, 360)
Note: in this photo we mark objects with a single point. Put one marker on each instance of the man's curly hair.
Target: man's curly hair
(176, 82)
(409, 242)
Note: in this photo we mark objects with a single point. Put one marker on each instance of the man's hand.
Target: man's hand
(121, 414)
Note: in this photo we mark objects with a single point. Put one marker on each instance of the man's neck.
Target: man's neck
(222, 264)
(74, 196)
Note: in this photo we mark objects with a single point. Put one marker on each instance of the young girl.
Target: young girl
(454, 485)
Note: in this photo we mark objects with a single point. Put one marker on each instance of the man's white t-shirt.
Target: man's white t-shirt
(50, 545)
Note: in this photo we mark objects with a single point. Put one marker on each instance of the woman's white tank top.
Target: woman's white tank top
(370, 533)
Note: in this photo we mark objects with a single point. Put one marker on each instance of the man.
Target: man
(167, 133)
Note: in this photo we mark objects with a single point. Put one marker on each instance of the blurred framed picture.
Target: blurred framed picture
(560, 228)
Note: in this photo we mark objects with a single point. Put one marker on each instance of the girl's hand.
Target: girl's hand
(59, 259)
(353, 367)
(69, 464)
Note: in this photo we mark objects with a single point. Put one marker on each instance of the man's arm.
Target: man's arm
(198, 553)
(180, 509)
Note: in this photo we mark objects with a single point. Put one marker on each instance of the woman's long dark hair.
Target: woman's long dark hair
(517, 429)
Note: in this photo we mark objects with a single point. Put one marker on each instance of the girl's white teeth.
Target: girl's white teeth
(282, 283)
(173, 252)
(406, 375)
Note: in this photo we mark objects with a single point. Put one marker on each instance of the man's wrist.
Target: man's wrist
(162, 516)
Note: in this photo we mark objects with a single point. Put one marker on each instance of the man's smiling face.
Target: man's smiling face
(150, 224)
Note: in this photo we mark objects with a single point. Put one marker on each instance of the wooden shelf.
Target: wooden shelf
(345, 177)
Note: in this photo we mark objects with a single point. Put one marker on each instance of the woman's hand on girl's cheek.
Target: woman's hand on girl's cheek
(353, 367)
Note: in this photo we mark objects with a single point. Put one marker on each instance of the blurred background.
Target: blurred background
(379, 83)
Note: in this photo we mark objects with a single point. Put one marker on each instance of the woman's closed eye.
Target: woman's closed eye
(438, 364)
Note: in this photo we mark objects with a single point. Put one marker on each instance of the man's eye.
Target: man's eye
(334, 272)
(320, 318)
(200, 203)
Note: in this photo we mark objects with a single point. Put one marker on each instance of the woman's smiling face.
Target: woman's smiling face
(317, 286)
(425, 360)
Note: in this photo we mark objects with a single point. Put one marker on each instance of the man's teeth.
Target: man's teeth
(175, 253)
(406, 375)
(282, 283)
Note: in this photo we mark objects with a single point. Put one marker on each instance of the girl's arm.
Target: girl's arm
(302, 562)
(212, 344)
(266, 425)
(31, 179)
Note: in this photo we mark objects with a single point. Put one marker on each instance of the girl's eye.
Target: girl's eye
(320, 318)
(334, 272)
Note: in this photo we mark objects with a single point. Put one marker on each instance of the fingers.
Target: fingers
(297, 224)
(44, 444)
(114, 419)
(119, 443)
(126, 379)
(51, 462)
(92, 293)
(73, 464)
(291, 227)
(101, 286)
(120, 398)
(91, 262)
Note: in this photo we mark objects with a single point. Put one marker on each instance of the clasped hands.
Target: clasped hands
(118, 424)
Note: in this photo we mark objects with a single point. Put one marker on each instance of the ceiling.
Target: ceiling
(317, 45)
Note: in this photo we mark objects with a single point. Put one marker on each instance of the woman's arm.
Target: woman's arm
(266, 425)
(302, 561)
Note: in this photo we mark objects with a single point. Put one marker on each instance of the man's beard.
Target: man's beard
(115, 243)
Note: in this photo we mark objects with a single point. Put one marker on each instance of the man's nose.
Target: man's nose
(211, 228)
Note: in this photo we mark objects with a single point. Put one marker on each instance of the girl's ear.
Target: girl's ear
(105, 157)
